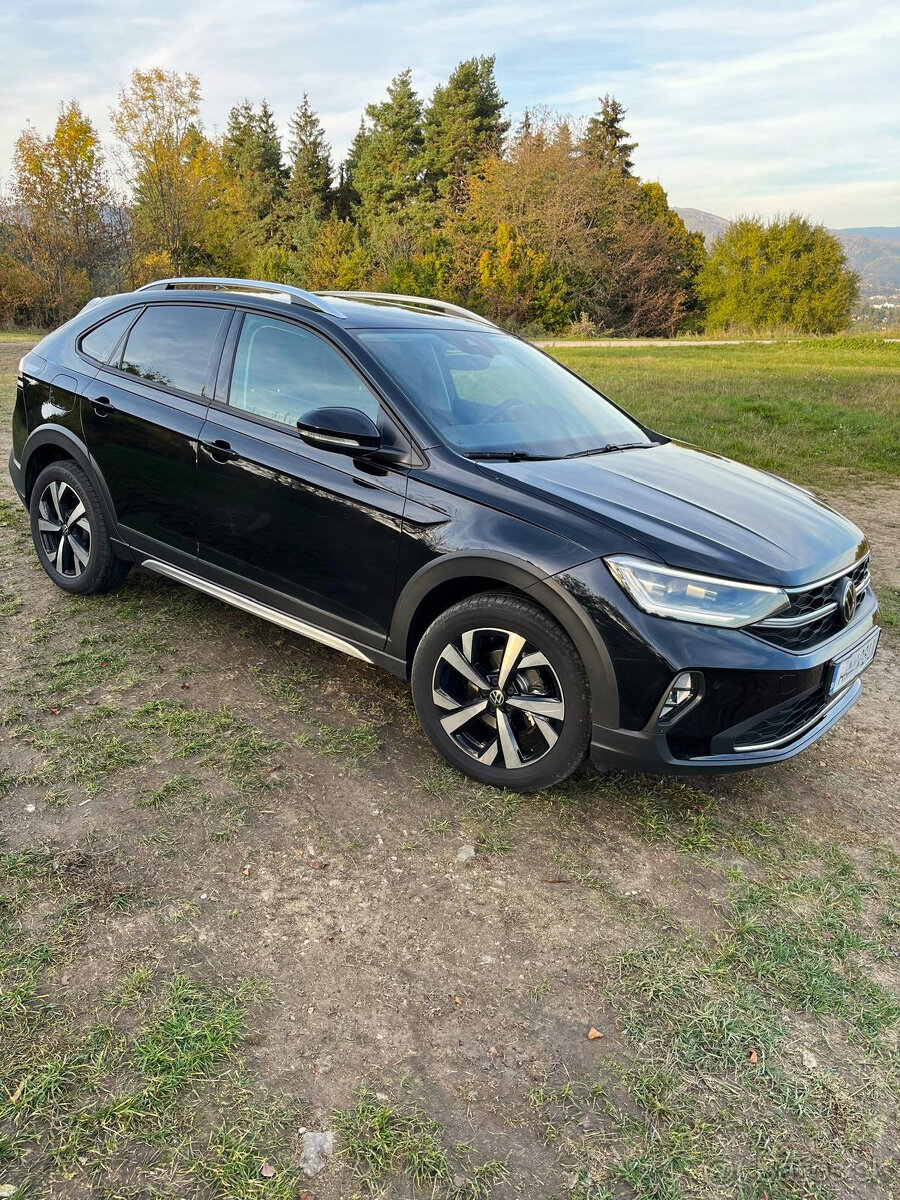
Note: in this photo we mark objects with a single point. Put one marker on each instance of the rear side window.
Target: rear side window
(172, 345)
(283, 372)
(101, 342)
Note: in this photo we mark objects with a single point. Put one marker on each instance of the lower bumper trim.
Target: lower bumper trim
(648, 751)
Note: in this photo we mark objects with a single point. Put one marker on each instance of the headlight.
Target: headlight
(684, 596)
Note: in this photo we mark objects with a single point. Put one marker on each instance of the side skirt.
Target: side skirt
(256, 608)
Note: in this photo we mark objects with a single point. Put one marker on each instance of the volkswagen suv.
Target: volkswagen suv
(399, 479)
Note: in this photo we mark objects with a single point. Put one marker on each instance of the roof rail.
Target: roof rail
(414, 302)
(293, 294)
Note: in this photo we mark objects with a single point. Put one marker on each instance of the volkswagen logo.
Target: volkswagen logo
(846, 599)
(497, 697)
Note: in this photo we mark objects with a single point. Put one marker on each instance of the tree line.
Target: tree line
(545, 226)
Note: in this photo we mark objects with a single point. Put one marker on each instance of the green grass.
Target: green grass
(153, 1076)
(889, 599)
(382, 1139)
(221, 737)
(819, 412)
(762, 1055)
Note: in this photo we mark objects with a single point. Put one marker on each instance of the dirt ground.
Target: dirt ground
(312, 842)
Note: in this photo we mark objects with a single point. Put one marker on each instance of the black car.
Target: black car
(400, 479)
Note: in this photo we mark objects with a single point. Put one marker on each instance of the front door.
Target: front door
(142, 416)
(316, 532)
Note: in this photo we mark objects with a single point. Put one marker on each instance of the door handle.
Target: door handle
(102, 405)
(220, 450)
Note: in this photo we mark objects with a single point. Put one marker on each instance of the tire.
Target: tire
(502, 693)
(70, 532)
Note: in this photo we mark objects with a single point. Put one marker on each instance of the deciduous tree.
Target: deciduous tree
(61, 240)
(786, 273)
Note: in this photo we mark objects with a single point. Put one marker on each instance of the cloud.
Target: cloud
(770, 106)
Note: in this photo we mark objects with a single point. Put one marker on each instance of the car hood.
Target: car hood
(700, 511)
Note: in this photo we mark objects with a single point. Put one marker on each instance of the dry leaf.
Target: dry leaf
(457, 999)
(593, 1034)
(752, 1057)
(267, 1171)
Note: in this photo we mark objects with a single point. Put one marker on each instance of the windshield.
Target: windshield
(491, 395)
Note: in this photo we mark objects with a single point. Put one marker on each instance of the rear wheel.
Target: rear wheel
(70, 533)
(501, 692)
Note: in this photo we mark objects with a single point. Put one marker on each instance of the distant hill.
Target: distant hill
(881, 233)
(698, 221)
(873, 251)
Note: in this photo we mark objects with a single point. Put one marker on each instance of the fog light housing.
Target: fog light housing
(684, 691)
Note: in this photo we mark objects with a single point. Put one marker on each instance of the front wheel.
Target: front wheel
(501, 692)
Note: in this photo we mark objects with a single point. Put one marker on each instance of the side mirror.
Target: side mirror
(343, 430)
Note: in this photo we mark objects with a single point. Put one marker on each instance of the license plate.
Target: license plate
(846, 668)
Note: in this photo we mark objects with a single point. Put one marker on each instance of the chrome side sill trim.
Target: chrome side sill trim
(799, 732)
(255, 607)
(793, 622)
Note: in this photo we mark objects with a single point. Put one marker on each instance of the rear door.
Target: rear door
(314, 532)
(142, 416)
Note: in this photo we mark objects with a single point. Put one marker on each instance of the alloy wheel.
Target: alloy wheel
(500, 699)
(64, 528)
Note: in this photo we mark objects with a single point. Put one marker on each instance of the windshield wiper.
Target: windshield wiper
(610, 448)
(509, 455)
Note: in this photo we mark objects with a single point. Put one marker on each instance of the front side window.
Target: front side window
(172, 344)
(282, 372)
(489, 394)
(101, 342)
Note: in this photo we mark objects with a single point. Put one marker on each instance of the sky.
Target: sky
(752, 106)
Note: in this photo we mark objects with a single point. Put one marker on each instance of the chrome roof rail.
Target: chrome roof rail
(294, 295)
(443, 306)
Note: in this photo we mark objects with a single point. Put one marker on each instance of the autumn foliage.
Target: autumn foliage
(544, 227)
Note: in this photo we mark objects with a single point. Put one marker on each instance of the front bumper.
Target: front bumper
(649, 750)
(758, 703)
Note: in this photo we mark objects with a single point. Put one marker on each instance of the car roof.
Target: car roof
(341, 312)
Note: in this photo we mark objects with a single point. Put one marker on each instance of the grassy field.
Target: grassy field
(232, 911)
(816, 411)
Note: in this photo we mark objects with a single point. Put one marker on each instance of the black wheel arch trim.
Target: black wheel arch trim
(545, 590)
(65, 439)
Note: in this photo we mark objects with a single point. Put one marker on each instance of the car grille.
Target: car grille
(814, 614)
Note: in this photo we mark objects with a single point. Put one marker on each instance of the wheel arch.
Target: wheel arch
(454, 577)
(52, 443)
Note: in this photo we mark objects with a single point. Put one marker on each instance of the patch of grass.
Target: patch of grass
(353, 745)
(221, 737)
(815, 411)
(288, 688)
(889, 601)
(381, 1139)
(724, 1104)
(156, 1072)
(90, 746)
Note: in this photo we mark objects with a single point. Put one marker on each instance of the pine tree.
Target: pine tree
(311, 170)
(388, 159)
(252, 151)
(606, 141)
(463, 126)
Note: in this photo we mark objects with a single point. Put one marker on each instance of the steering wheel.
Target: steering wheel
(496, 414)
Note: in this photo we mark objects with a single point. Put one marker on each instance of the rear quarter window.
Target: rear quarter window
(101, 341)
